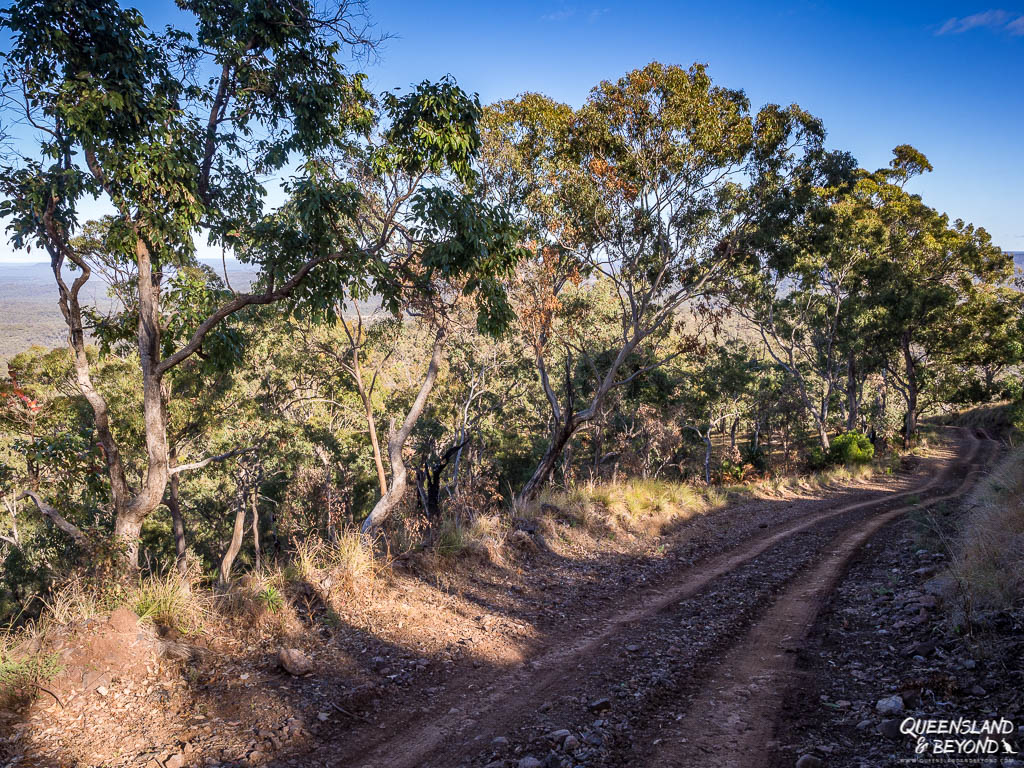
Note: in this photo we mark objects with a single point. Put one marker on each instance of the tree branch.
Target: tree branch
(55, 517)
(209, 460)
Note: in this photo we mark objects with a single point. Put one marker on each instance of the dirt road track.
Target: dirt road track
(732, 718)
(707, 654)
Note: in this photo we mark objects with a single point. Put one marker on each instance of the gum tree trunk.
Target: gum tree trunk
(226, 562)
(396, 444)
(542, 474)
(910, 425)
(852, 402)
(178, 525)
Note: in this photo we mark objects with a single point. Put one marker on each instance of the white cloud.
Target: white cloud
(992, 19)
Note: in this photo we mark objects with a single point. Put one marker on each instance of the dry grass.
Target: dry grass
(339, 571)
(994, 417)
(988, 556)
(480, 535)
(638, 505)
(827, 479)
(173, 600)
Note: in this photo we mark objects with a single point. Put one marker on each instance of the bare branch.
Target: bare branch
(209, 460)
(55, 517)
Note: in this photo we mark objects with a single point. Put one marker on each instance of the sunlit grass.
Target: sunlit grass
(988, 556)
(639, 505)
(172, 600)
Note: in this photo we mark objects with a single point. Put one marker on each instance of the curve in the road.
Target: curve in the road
(440, 740)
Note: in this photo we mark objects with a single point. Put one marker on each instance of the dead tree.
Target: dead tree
(428, 479)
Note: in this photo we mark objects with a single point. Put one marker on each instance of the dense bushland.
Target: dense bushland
(625, 304)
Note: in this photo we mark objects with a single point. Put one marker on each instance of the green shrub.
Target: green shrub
(851, 448)
(817, 460)
(731, 471)
(271, 599)
(755, 457)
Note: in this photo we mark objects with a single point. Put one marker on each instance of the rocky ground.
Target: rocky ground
(569, 653)
(893, 642)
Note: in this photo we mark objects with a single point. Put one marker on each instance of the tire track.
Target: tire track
(448, 739)
(731, 718)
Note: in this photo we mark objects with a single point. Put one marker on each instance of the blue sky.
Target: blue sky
(943, 76)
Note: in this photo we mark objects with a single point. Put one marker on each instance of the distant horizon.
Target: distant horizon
(45, 262)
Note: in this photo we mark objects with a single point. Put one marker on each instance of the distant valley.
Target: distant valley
(29, 314)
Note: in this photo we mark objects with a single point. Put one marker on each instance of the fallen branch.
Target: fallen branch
(350, 714)
(47, 690)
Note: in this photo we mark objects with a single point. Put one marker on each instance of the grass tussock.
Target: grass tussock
(173, 600)
(988, 555)
(340, 568)
(816, 482)
(481, 536)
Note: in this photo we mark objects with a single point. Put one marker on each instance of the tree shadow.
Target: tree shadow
(486, 620)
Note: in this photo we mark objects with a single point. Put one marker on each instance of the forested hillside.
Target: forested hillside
(467, 331)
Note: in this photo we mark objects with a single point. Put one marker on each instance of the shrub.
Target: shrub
(270, 598)
(851, 448)
(755, 457)
(817, 459)
(733, 471)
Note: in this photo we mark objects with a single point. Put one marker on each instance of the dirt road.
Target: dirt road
(687, 670)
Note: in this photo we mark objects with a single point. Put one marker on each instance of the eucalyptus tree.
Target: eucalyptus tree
(350, 356)
(800, 294)
(659, 183)
(715, 393)
(925, 272)
(988, 337)
(182, 133)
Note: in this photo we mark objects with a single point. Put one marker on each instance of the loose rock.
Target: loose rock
(891, 705)
(294, 662)
(600, 705)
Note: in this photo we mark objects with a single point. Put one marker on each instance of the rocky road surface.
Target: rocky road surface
(688, 668)
(742, 637)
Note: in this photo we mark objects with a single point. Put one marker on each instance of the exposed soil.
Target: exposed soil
(672, 650)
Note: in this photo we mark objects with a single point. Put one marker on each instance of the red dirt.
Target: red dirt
(664, 651)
